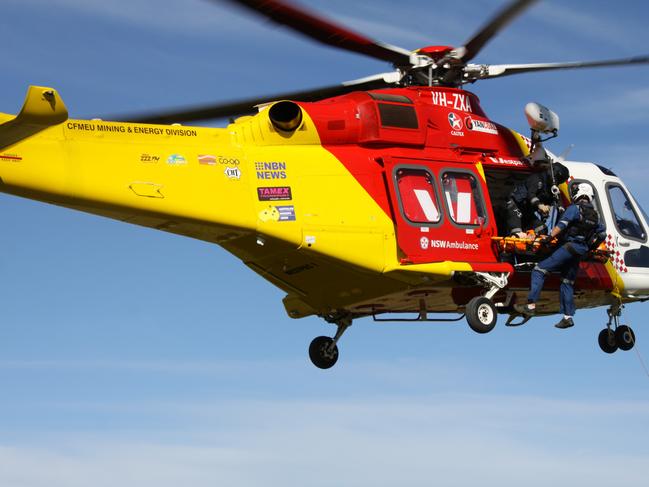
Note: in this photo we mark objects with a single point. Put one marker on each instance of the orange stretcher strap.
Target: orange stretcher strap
(540, 247)
(528, 245)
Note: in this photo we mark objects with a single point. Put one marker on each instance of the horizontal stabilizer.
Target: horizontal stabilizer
(42, 108)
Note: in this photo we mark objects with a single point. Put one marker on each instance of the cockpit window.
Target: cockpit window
(644, 214)
(625, 216)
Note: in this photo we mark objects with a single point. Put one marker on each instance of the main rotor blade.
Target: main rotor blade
(247, 106)
(325, 31)
(504, 17)
(496, 70)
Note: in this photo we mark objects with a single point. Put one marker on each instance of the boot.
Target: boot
(525, 309)
(565, 323)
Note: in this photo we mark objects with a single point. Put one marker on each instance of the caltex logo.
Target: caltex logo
(455, 121)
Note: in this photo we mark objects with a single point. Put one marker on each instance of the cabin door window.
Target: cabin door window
(417, 196)
(439, 212)
(462, 197)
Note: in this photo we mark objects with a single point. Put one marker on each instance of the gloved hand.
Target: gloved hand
(545, 209)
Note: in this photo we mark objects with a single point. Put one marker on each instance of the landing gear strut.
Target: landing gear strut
(615, 336)
(323, 351)
(481, 313)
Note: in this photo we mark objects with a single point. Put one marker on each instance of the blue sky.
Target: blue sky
(131, 357)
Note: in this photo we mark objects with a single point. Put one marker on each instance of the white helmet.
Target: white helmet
(582, 190)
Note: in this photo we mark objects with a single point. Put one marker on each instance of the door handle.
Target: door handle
(623, 243)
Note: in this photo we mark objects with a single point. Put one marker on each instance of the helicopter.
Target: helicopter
(422, 168)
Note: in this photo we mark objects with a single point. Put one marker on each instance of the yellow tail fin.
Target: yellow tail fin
(42, 108)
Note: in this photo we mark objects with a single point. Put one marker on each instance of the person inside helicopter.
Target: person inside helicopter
(531, 201)
(579, 230)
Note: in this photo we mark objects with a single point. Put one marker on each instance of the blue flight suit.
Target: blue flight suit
(565, 260)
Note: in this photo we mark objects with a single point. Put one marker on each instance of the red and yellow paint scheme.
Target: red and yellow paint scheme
(364, 204)
(376, 202)
(387, 195)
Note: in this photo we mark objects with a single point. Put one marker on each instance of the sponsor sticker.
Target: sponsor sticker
(129, 129)
(274, 193)
(270, 170)
(455, 121)
(207, 159)
(480, 126)
(505, 161)
(231, 161)
(10, 157)
(176, 160)
(232, 172)
(286, 213)
(149, 158)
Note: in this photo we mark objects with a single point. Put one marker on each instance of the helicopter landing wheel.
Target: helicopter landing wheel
(607, 341)
(323, 352)
(624, 337)
(481, 314)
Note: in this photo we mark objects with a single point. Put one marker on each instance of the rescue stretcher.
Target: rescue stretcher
(537, 247)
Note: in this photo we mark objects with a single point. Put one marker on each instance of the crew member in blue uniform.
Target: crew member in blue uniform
(580, 230)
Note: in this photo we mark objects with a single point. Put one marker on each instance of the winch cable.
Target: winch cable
(642, 362)
(553, 215)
